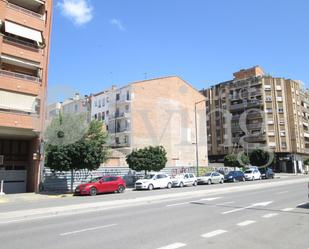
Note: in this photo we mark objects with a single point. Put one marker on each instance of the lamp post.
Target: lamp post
(196, 139)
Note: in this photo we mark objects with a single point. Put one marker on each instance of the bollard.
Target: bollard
(1, 188)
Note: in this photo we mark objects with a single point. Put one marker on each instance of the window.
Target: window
(117, 96)
(128, 95)
(99, 103)
(107, 100)
(280, 110)
(103, 115)
(268, 98)
(103, 102)
(96, 103)
(117, 140)
(95, 116)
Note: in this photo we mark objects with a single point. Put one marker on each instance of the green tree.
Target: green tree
(235, 160)
(86, 153)
(260, 158)
(147, 159)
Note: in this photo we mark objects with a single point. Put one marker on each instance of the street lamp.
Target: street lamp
(196, 140)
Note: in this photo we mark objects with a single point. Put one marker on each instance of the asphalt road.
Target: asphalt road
(272, 217)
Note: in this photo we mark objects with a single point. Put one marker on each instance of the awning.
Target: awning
(16, 101)
(19, 62)
(23, 31)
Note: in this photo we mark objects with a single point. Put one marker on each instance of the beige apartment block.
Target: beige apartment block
(256, 110)
(24, 51)
(154, 112)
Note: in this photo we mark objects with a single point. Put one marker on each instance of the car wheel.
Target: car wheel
(234, 180)
(260, 178)
(121, 189)
(209, 182)
(181, 184)
(253, 178)
(222, 181)
(169, 185)
(150, 187)
(93, 191)
(243, 179)
(195, 183)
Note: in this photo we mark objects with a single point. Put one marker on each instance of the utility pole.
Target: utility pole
(196, 135)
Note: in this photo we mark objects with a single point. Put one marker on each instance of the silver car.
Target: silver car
(210, 178)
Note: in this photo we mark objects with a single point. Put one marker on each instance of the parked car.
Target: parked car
(210, 178)
(154, 180)
(252, 174)
(186, 179)
(267, 173)
(105, 184)
(234, 176)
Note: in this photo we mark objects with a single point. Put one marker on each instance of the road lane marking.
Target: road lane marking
(246, 223)
(261, 204)
(173, 246)
(287, 209)
(213, 233)
(87, 229)
(211, 199)
(301, 204)
(177, 204)
(270, 215)
(225, 203)
(282, 192)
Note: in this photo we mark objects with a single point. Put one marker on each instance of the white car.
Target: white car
(252, 174)
(210, 178)
(186, 179)
(154, 180)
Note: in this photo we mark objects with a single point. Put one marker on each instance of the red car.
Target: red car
(103, 184)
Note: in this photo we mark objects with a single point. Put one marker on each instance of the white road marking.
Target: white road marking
(225, 203)
(173, 246)
(287, 209)
(213, 234)
(177, 204)
(301, 204)
(282, 192)
(211, 199)
(270, 215)
(87, 229)
(261, 204)
(246, 223)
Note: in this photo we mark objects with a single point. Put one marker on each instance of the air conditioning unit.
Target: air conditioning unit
(1, 160)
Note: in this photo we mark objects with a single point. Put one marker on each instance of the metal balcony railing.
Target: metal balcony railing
(20, 76)
(26, 11)
(19, 42)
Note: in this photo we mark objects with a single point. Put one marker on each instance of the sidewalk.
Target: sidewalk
(17, 198)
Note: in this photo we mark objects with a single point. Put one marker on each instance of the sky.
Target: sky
(98, 43)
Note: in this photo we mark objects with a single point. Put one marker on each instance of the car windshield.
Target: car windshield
(95, 179)
(208, 174)
(231, 173)
(248, 171)
(149, 177)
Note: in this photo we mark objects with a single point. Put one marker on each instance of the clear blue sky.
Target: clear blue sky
(98, 43)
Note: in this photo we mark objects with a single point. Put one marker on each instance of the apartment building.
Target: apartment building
(24, 51)
(75, 105)
(153, 112)
(257, 110)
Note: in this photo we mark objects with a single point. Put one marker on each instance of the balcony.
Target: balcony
(19, 47)
(20, 76)
(26, 11)
(248, 126)
(19, 120)
(246, 105)
(119, 115)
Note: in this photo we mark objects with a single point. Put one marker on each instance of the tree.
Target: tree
(260, 158)
(147, 159)
(234, 160)
(86, 153)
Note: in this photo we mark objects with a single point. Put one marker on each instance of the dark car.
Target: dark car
(103, 184)
(234, 176)
(267, 173)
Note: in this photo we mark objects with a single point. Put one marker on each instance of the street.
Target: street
(261, 214)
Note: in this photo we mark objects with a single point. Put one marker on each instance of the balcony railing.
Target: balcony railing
(20, 76)
(119, 115)
(26, 11)
(19, 42)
